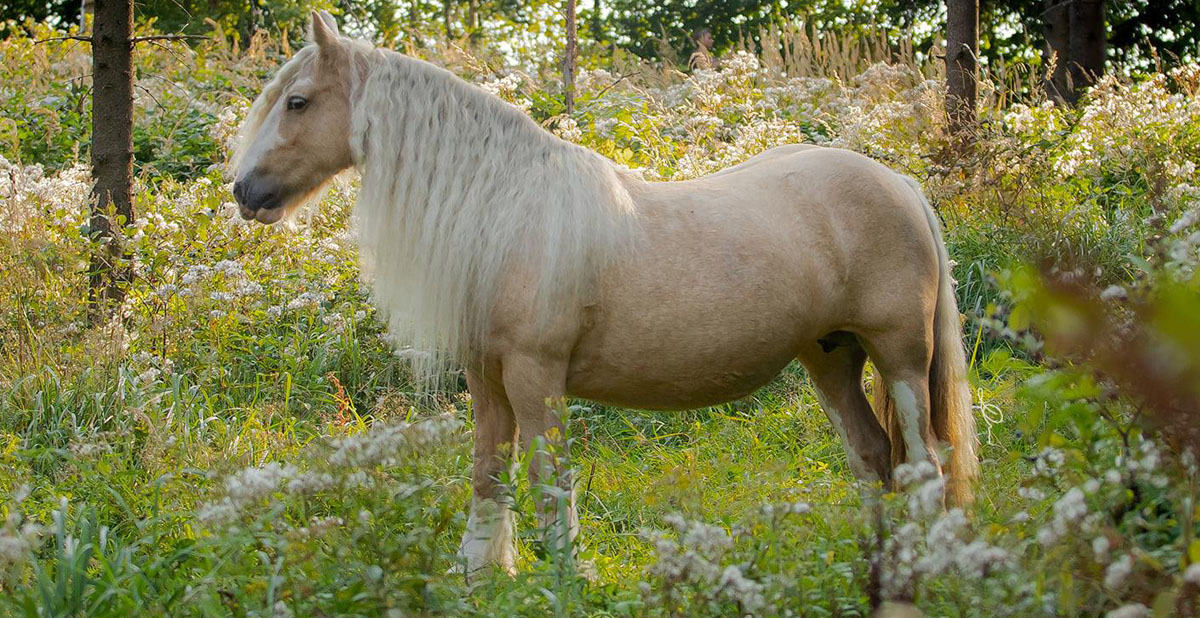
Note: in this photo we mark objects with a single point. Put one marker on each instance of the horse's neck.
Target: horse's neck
(459, 187)
(442, 149)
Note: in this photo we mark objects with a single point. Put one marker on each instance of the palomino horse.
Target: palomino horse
(547, 271)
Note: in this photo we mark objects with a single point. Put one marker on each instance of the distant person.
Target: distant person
(703, 57)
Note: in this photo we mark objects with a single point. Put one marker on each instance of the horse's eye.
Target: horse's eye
(296, 102)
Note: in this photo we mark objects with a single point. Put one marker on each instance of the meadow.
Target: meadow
(241, 438)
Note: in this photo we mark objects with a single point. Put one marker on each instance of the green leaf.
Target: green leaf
(1019, 318)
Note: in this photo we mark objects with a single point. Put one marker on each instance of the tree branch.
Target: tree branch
(165, 37)
(72, 37)
(134, 40)
(1059, 5)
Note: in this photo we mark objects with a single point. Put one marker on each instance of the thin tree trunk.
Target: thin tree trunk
(473, 16)
(415, 22)
(962, 48)
(448, 17)
(569, 59)
(1089, 45)
(87, 8)
(596, 22)
(253, 20)
(1057, 52)
(112, 146)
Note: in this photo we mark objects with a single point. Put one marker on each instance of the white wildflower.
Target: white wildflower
(306, 300)
(382, 444)
(1049, 461)
(1191, 575)
(1114, 292)
(748, 593)
(1031, 493)
(1117, 572)
(1100, 547)
(1133, 610)
(260, 482)
(908, 474)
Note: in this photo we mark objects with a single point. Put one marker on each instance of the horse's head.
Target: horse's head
(297, 134)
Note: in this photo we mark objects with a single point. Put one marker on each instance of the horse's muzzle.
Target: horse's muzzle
(254, 193)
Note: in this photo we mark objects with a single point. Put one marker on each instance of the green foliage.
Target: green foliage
(181, 95)
(194, 17)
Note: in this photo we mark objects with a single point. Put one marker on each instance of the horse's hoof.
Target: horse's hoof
(587, 569)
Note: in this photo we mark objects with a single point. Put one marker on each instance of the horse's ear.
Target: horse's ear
(331, 22)
(324, 29)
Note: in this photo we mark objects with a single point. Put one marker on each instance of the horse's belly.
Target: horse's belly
(665, 390)
(679, 368)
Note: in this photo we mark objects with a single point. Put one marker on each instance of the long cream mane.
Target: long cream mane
(460, 188)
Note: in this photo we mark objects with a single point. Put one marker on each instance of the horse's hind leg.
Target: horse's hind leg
(903, 356)
(835, 365)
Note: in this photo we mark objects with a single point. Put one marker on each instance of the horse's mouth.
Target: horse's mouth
(279, 205)
(268, 216)
(262, 215)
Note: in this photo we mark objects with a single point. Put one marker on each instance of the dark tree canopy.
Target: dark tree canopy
(190, 15)
(58, 12)
(641, 25)
(1138, 31)
(1170, 27)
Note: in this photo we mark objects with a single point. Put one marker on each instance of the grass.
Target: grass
(136, 462)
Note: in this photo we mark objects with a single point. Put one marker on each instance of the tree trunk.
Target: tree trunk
(596, 22)
(415, 22)
(87, 8)
(448, 17)
(1088, 45)
(473, 16)
(112, 147)
(1057, 52)
(569, 58)
(253, 20)
(962, 48)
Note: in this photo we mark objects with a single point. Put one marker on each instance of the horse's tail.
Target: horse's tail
(949, 391)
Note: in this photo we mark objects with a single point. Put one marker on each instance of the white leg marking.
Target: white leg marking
(550, 520)
(488, 539)
(858, 466)
(910, 422)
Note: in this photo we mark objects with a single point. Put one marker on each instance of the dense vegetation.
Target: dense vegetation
(241, 440)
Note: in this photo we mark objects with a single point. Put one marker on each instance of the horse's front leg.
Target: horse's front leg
(529, 381)
(488, 539)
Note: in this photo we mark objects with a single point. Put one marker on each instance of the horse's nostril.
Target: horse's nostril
(255, 192)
